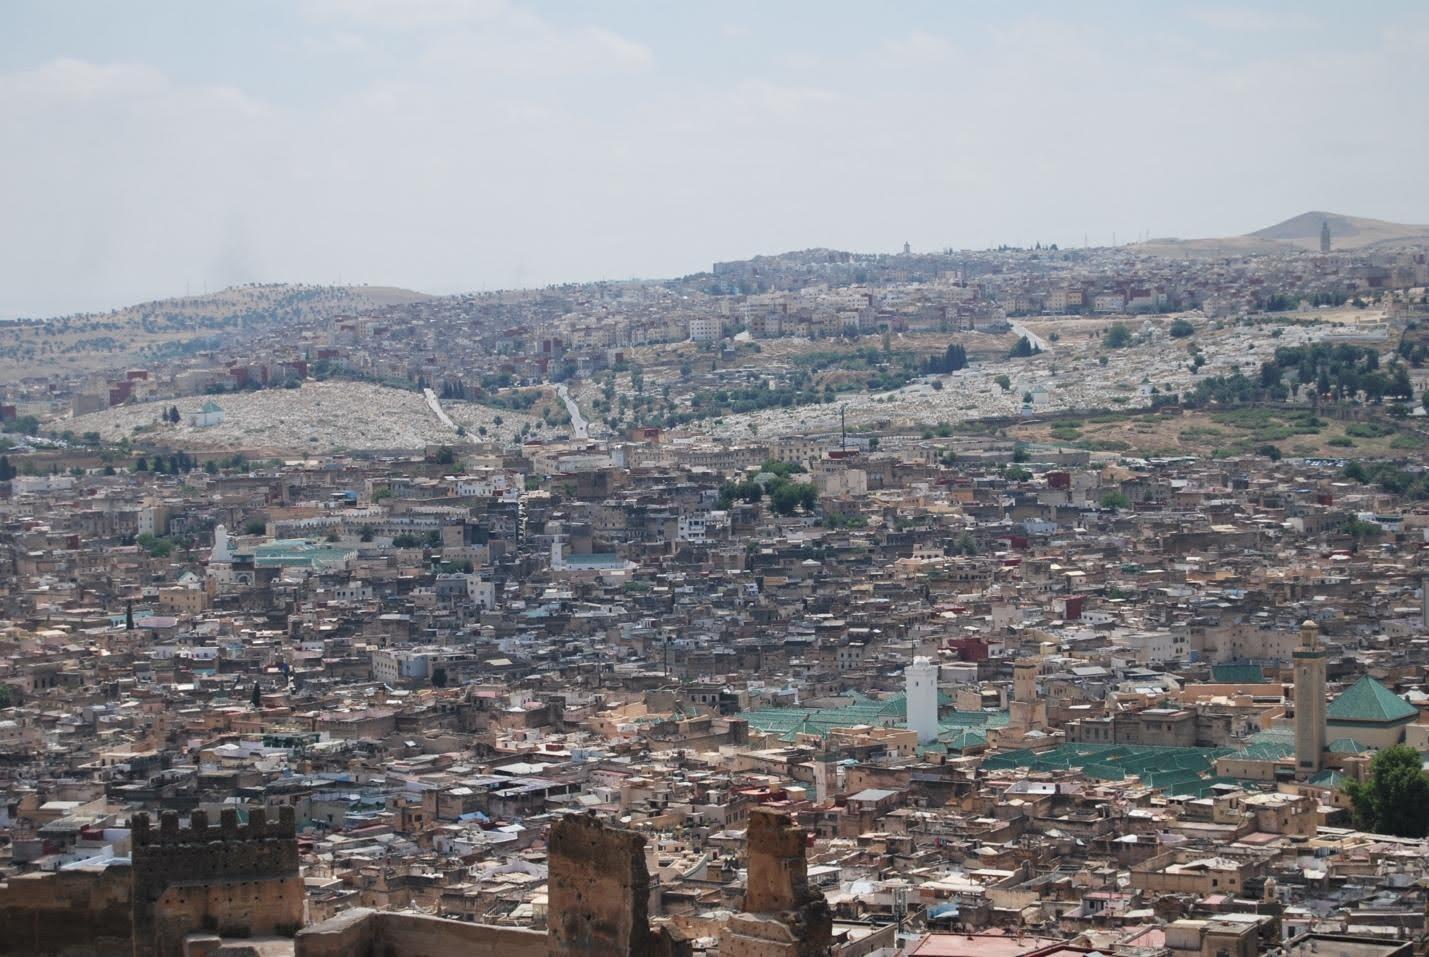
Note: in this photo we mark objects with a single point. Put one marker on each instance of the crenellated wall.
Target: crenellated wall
(234, 880)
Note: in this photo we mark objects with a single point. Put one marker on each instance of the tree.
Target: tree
(1180, 329)
(1116, 500)
(1003, 381)
(1395, 797)
(7, 471)
(439, 677)
(256, 698)
(1023, 349)
(1117, 337)
(142, 465)
(129, 615)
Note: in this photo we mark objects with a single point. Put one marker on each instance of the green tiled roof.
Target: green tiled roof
(962, 740)
(788, 722)
(1237, 674)
(1368, 700)
(1327, 779)
(1175, 770)
(1347, 746)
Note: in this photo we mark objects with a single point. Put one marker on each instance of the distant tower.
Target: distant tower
(1309, 700)
(1026, 712)
(1325, 236)
(221, 551)
(907, 250)
(921, 687)
(826, 777)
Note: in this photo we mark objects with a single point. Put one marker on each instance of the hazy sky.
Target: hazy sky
(445, 145)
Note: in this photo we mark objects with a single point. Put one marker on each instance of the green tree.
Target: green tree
(1115, 499)
(1023, 348)
(1117, 337)
(1395, 797)
(1004, 382)
(256, 698)
(439, 677)
(1180, 329)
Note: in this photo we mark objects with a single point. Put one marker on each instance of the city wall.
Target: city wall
(82, 913)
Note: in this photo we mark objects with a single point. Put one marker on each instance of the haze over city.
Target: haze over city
(155, 148)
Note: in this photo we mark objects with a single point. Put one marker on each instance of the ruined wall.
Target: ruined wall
(599, 891)
(236, 881)
(82, 913)
(367, 933)
(784, 916)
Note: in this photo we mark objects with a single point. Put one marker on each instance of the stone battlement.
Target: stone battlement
(199, 831)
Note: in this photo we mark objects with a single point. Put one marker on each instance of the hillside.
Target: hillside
(140, 334)
(1346, 232)
(1302, 232)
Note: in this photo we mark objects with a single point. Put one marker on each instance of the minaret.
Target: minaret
(1325, 236)
(222, 551)
(921, 689)
(1309, 701)
(1027, 712)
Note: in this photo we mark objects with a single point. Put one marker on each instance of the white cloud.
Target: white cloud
(479, 145)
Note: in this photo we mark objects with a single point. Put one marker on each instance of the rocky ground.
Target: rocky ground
(1068, 375)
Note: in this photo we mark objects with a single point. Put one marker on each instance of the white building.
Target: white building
(705, 329)
(210, 414)
(921, 688)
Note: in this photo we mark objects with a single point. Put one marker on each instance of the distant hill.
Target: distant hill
(1346, 232)
(1296, 233)
(148, 332)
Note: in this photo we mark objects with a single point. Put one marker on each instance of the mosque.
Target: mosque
(1366, 716)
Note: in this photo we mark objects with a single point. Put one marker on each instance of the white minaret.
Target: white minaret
(921, 687)
(221, 551)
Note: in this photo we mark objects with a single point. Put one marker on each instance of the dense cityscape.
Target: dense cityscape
(1024, 602)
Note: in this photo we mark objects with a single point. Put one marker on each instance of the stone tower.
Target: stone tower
(1309, 701)
(783, 916)
(600, 892)
(921, 690)
(1325, 236)
(1026, 712)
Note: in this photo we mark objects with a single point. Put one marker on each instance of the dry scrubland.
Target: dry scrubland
(320, 416)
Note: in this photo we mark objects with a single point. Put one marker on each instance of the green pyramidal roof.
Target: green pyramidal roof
(1368, 700)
